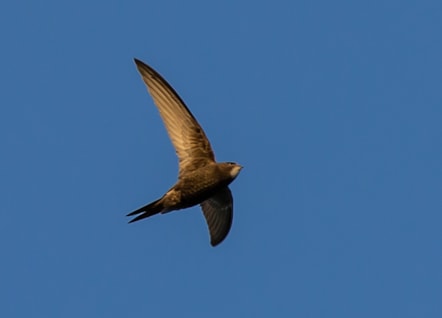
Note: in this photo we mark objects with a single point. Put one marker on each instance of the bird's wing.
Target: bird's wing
(218, 211)
(191, 144)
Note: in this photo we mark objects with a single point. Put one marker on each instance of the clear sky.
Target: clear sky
(334, 108)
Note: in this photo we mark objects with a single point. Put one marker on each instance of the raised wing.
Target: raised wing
(218, 211)
(190, 142)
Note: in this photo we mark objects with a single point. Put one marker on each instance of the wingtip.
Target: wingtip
(138, 62)
(216, 242)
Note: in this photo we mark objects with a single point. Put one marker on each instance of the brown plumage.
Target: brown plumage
(201, 180)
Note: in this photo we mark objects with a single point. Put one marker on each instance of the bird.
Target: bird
(201, 180)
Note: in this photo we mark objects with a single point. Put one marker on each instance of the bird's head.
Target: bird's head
(234, 169)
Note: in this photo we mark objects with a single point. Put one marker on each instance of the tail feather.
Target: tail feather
(147, 210)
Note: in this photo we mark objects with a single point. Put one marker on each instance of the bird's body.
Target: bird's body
(201, 179)
(191, 189)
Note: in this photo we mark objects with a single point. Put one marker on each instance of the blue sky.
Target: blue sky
(334, 108)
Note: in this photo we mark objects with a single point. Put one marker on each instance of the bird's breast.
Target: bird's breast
(199, 185)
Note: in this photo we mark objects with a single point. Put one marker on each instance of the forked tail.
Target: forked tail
(147, 210)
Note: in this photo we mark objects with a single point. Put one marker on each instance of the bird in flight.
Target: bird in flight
(201, 180)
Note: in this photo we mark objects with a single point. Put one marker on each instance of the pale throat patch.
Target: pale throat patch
(235, 171)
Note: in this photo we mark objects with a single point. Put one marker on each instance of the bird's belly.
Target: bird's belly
(191, 198)
(195, 193)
